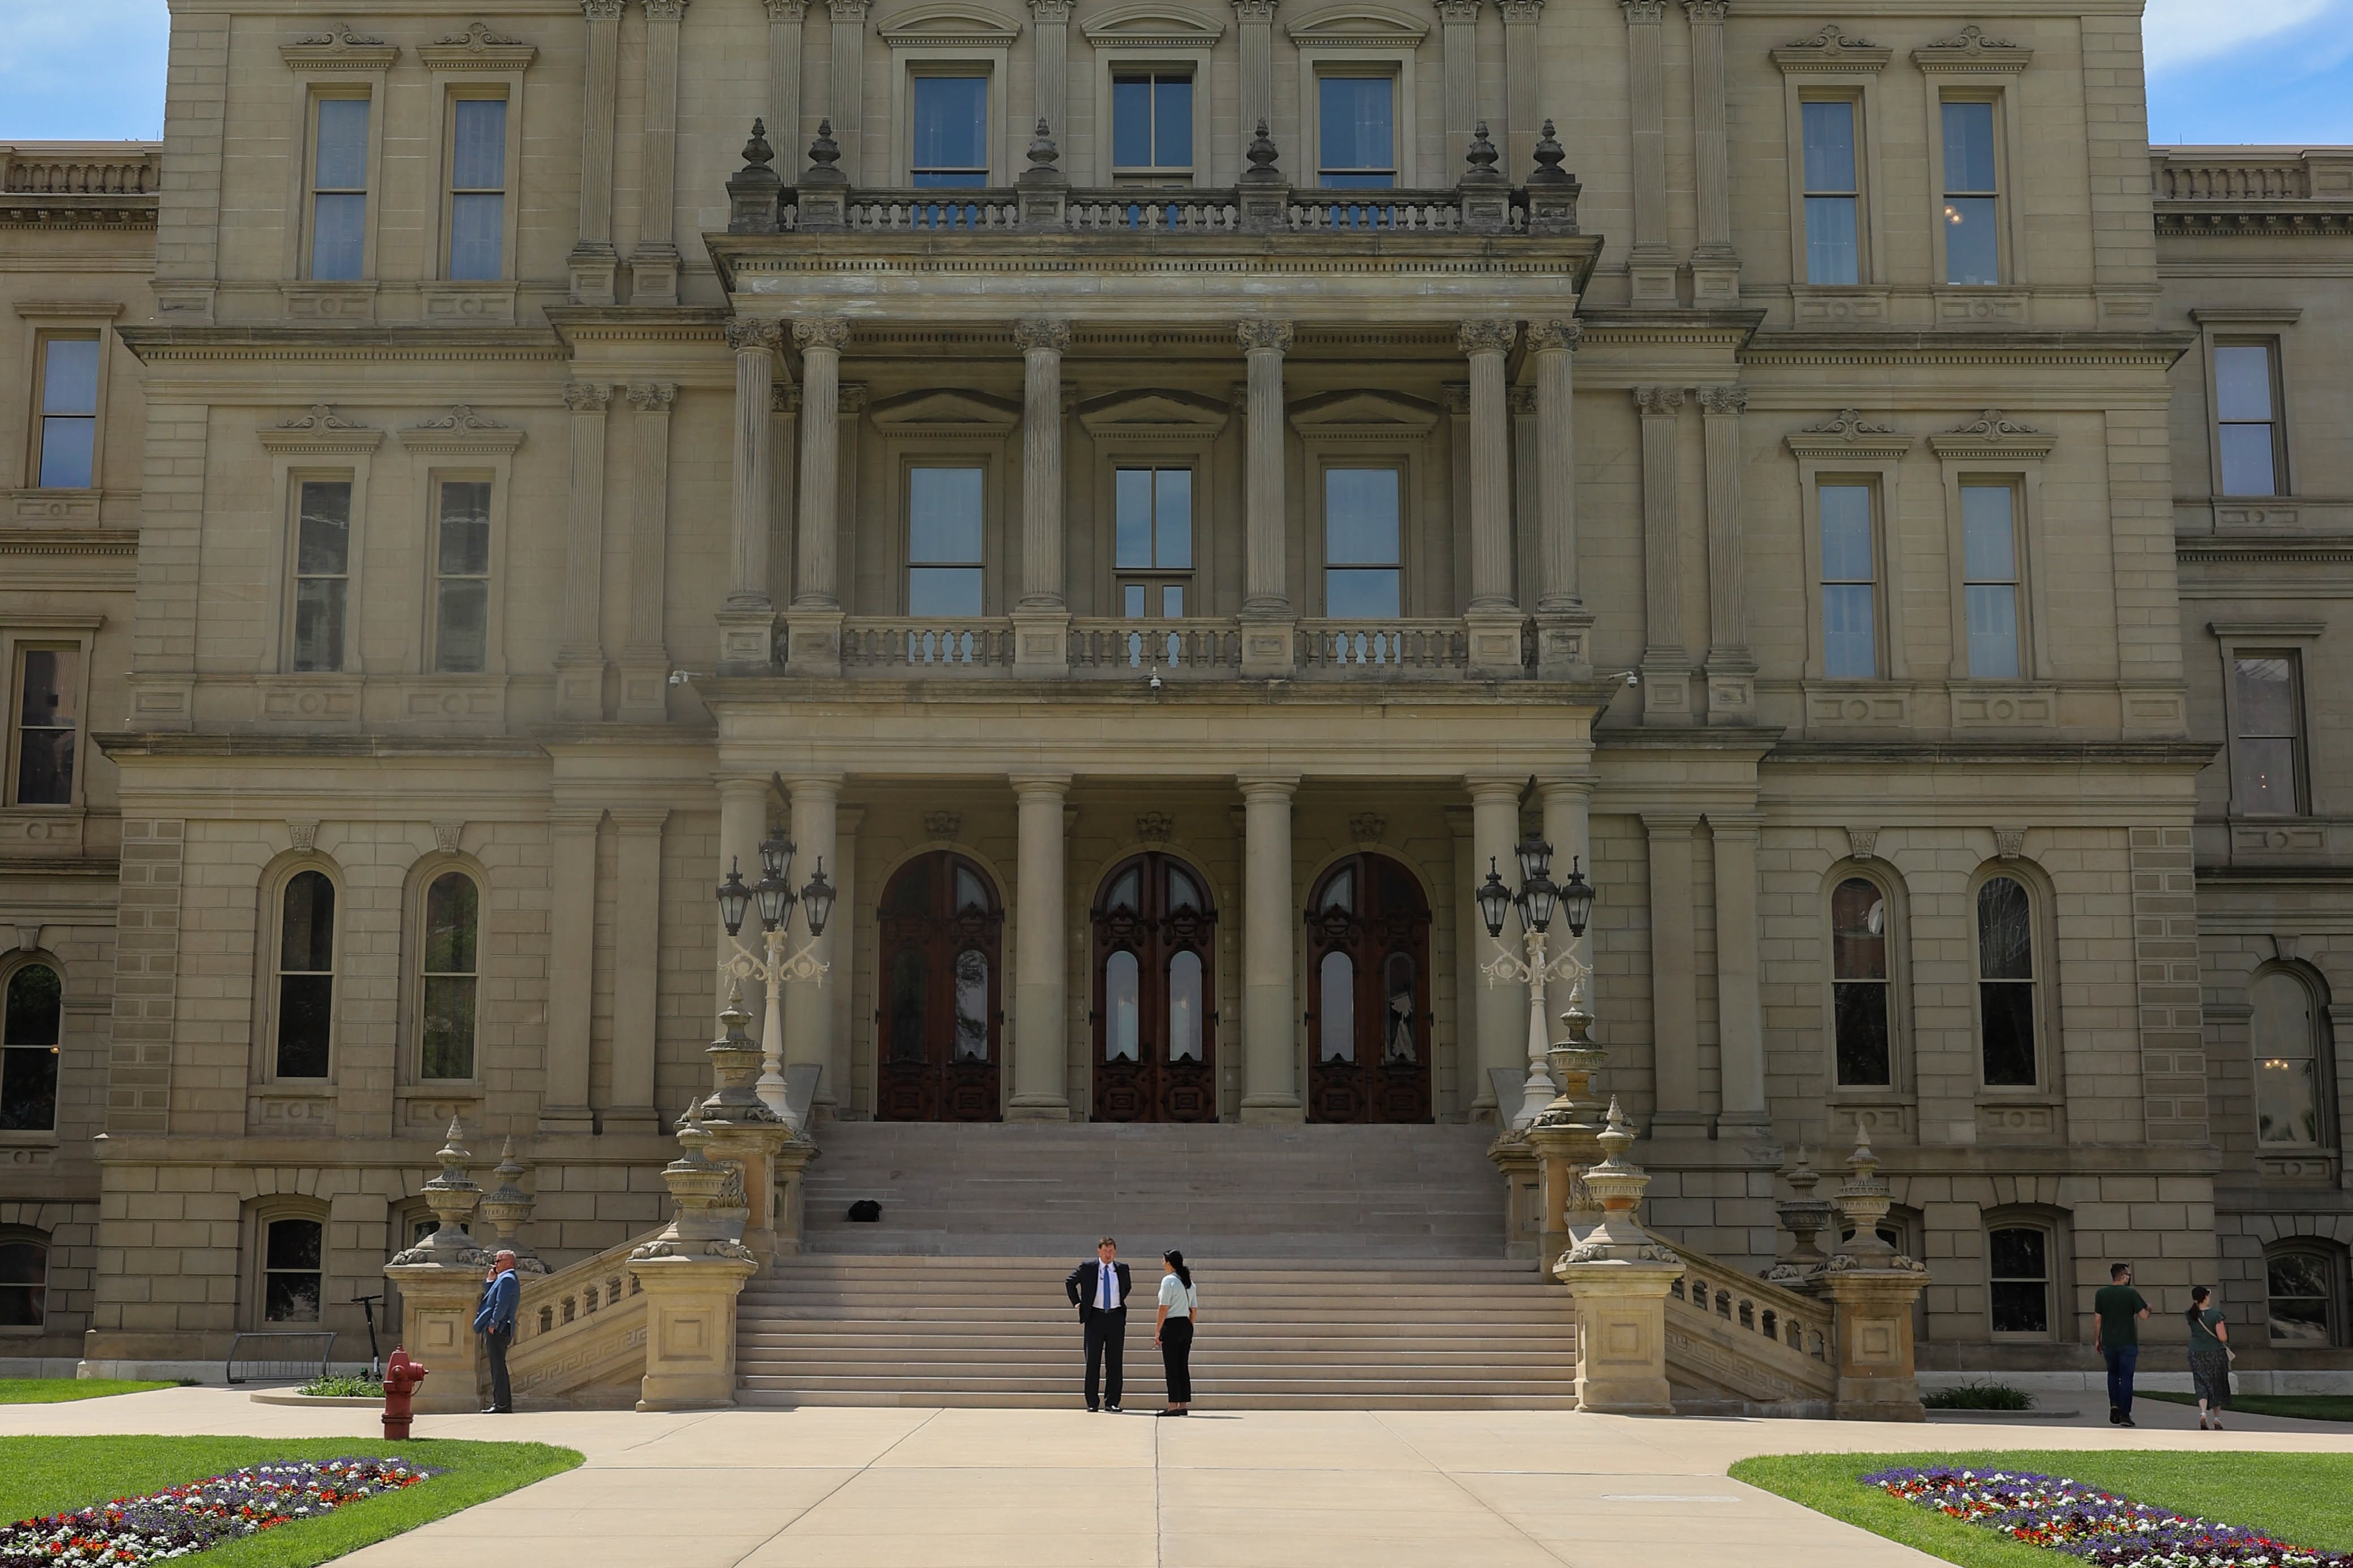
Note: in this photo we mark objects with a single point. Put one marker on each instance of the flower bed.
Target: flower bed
(2099, 1527)
(178, 1521)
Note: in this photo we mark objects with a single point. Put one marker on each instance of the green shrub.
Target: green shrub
(344, 1385)
(1979, 1397)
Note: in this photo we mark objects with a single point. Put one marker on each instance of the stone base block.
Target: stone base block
(1621, 1334)
(689, 1331)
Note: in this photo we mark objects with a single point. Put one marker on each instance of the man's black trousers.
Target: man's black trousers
(1106, 1349)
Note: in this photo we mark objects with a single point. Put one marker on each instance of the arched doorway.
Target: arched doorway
(940, 1020)
(1368, 994)
(1154, 1019)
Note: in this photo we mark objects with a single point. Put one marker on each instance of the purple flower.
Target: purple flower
(176, 1520)
(2099, 1527)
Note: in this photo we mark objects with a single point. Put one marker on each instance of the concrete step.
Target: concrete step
(1140, 1403)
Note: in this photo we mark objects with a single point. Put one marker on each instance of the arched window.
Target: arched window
(2305, 1287)
(451, 954)
(29, 1035)
(2006, 1000)
(292, 1272)
(2018, 1278)
(2286, 1038)
(24, 1277)
(306, 974)
(1860, 1014)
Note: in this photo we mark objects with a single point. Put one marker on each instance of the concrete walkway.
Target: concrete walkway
(990, 1489)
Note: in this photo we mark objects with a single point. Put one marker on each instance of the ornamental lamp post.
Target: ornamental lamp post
(1539, 900)
(774, 898)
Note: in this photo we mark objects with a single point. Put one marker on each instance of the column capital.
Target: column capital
(1457, 10)
(1050, 10)
(1035, 332)
(665, 10)
(1736, 824)
(575, 818)
(821, 332)
(1264, 333)
(1579, 784)
(1254, 10)
(602, 10)
(745, 334)
(849, 10)
(1723, 400)
(1489, 789)
(786, 10)
(1670, 824)
(652, 396)
(1555, 333)
(814, 784)
(1517, 11)
(1659, 402)
(587, 396)
(1486, 336)
(1283, 785)
(1643, 12)
(639, 818)
(1709, 11)
(1055, 785)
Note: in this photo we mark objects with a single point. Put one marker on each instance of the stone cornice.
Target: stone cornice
(2188, 756)
(2238, 548)
(2154, 349)
(2255, 220)
(33, 209)
(158, 345)
(116, 542)
(148, 744)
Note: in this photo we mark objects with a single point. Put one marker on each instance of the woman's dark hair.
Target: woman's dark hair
(1176, 1259)
(2198, 1294)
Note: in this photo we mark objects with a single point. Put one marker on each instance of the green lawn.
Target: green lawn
(2303, 1406)
(57, 1390)
(42, 1475)
(2298, 1498)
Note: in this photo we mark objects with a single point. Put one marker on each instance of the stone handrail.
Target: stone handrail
(80, 169)
(580, 1332)
(1765, 1342)
(922, 643)
(1388, 645)
(1118, 210)
(1156, 211)
(1428, 212)
(2215, 180)
(1194, 646)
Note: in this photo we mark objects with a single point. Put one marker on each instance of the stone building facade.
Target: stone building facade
(1156, 564)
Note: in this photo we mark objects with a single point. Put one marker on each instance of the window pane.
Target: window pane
(1172, 548)
(466, 528)
(462, 630)
(1172, 605)
(2243, 381)
(971, 893)
(1831, 254)
(2248, 465)
(1131, 121)
(972, 1005)
(36, 1007)
(1360, 516)
(24, 1273)
(1860, 1009)
(1126, 891)
(342, 163)
(319, 624)
(477, 235)
(908, 984)
(2266, 693)
(338, 237)
(45, 765)
(943, 591)
(47, 695)
(1185, 1007)
(1131, 519)
(70, 377)
(479, 162)
(1354, 126)
(1172, 122)
(1829, 146)
(1361, 596)
(952, 124)
(1132, 601)
(293, 1244)
(2007, 1009)
(1850, 644)
(2265, 782)
(1336, 1008)
(305, 1004)
(1399, 1041)
(1183, 893)
(1972, 240)
(1858, 932)
(2019, 1268)
(1846, 533)
(943, 516)
(452, 921)
(2005, 930)
(1122, 1009)
(28, 1090)
(1969, 147)
(1989, 547)
(2021, 1308)
(48, 726)
(1340, 892)
(324, 544)
(1993, 631)
(307, 929)
(448, 1034)
(2300, 1286)
(2287, 1104)
(69, 449)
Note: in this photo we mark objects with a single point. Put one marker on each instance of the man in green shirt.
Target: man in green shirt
(2116, 1335)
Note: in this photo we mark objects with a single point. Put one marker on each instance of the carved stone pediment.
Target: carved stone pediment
(478, 48)
(1363, 416)
(320, 431)
(1161, 25)
(1360, 25)
(951, 26)
(947, 411)
(1831, 50)
(1153, 413)
(339, 49)
(1971, 50)
(1993, 435)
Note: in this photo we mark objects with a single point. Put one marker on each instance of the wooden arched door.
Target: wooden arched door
(941, 1018)
(1368, 994)
(1155, 1018)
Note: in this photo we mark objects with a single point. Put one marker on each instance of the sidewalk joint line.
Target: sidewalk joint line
(1517, 1527)
(834, 1490)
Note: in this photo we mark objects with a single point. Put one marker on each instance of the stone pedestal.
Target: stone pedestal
(1873, 1309)
(813, 642)
(791, 1165)
(438, 1302)
(1619, 1276)
(1515, 1160)
(1041, 642)
(746, 641)
(689, 1331)
(1496, 642)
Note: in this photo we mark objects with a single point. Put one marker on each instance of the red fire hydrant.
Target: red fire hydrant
(401, 1376)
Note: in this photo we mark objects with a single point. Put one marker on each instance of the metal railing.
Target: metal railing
(273, 1360)
(998, 209)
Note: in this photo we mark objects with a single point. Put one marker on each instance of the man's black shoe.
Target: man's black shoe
(2115, 1416)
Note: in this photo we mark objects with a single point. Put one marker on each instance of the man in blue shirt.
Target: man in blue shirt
(495, 1320)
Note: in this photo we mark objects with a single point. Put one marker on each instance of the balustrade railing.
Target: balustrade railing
(69, 169)
(1428, 212)
(925, 644)
(1217, 215)
(1383, 646)
(1199, 645)
(2204, 180)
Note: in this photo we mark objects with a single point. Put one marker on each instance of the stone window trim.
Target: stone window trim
(1355, 39)
(270, 915)
(1900, 1088)
(319, 445)
(1154, 37)
(1846, 449)
(2227, 326)
(1149, 429)
(1994, 450)
(2043, 904)
(476, 63)
(1369, 430)
(2332, 1256)
(2069, 1302)
(462, 444)
(1000, 565)
(339, 63)
(948, 41)
(1973, 68)
(45, 320)
(78, 633)
(2326, 1069)
(411, 1076)
(253, 1248)
(2234, 640)
(30, 1236)
(1824, 67)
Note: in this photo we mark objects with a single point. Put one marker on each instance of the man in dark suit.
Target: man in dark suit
(495, 1320)
(1098, 1289)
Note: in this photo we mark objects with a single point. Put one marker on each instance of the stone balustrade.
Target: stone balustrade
(77, 169)
(2230, 191)
(1204, 648)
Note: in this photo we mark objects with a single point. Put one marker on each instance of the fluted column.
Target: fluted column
(1522, 112)
(1041, 1070)
(1486, 344)
(1459, 36)
(571, 966)
(1731, 670)
(1666, 663)
(637, 964)
(1500, 1012)
(809, 1009)
(1050, 82)
(1553, 346)
(1675, 978)
(1739, 1002)
(1254, 24)
(1266, 647)
(757, 345)
(820, 341)
(580, 660)
(847, 96)
(644, 658)
(784, 24)
(592, 262)
(653, 268)
(1651, 261)
(1042, 342)
(1270, 923)
(1715, 269)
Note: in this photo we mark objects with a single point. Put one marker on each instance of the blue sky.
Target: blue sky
(2220, 71)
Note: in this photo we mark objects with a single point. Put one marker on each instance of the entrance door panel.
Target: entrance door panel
(1368, 995)
(1155, 1022)
(941, 1016)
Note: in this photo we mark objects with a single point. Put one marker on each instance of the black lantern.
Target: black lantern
(1577, 898)
(734, 898)
(776, 858)
(816, 901)
(1494, 900)
(1536, 859)
(1537, 899)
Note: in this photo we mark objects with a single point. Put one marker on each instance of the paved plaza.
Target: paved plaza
(987, 1489)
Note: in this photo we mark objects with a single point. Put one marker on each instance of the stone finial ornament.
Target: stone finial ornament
(754, 193)
(452, 1196)
(506, 1208)
(1616, 1184)
(735, 1071)
(1862, 1202)
(1481, 157)
(1261, 155)
(1804, 1216)
(1549, 156)
(707, 1220)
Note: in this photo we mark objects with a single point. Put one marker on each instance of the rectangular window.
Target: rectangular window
(945, 540)
(2301, 1292)
(1989, 580)
(477, 184)
(1152, 541)
(1833, 252)
(1152, 124)
(69, 412)
(461, 594)
(1849, 583)
(2020, 1275)
(290, 1271)
(323, 555)
(1363, 545)
(1972, 199)
(338, 189)
(48, 723)
(950, 144)
(2268, 736)
(1356, 126)
(2246, 407)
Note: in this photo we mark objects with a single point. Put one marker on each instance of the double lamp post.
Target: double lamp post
(773, 896)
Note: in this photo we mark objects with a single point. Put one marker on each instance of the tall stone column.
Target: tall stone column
(1522, 112)
(1041, 1068)
(653, 267)
(1266, 647)
(747, 621)
(1050, 83)
(841, 1070)
(644, 658)
(846, 95)
(637, 962)
(1674, 975)
(1270, 926)
(1493, 620)
(1459, 36)
(1730, 669)
(808, 1008)
(1254, 26)
(742, 823)
(1651, 261)
(1739, 1000)
(1041, 620)
(814, 623)
(1562, 624)
(1501, 1010)
(593, 263)
(1716, 267)
(1666, 663)
(571, 966)
(580, 658)
(785, 26)
(1567, 827)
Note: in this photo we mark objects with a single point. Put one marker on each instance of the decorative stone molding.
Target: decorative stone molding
(1157, 415)
(1264, 334)
(1154, 826)
(1831, 50)
(461, 429)
(1368, 827)
(1729, 399)
(1042, 332)
(652, 396)
(1555, 334)
(303, 834)
(1993, 435)
(1153, 25)
(1971, 50)
(945, 411)
(1366, 415)
(786, 10)
(477, 49)
(319, 433)
(742, 333)
(1523, 399)
(1254, 10)
(1486, 337)
(2009, 843)
(1706, 10)
(1847, 435)
(664, 10)
(1659, 402)
(587, 396)
(1357, 24)
(1050, 10)
(821, 332)
(944, 825)
(446, 835)
(602, 10)
(1643, 11)
(1863, 843)
(948, 27)
(339, 50)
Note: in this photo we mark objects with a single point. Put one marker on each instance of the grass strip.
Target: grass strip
(60, 1390)
(42, 1475)
(2300, 1406)
(2296, 1498)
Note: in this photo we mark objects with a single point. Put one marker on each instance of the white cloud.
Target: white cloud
(2176, 32)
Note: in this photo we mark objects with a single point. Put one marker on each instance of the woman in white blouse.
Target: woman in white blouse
(1181, 1312)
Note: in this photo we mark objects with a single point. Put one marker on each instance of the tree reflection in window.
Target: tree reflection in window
(2301, 1288)
(2288, 1085)
(1339, 1009)
(971, 1004)
(1859, 983)
(290, 1271)
(306, 978)
(2019, 1280)
(2006, 983)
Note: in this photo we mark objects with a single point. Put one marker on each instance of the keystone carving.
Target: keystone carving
(1863, 843)
(2009, 844)
(304, 834)
(942, 824)
(1153, 827)
(1367, 828)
